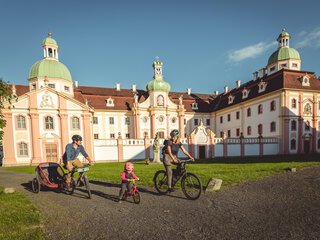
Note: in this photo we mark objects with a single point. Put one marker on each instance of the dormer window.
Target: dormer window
(245, 93)
(230, 99)
(51, 85)
(34, 86)
(194, 106)
(305, 81)
(66, 89)
(109, 102)
(262, 87)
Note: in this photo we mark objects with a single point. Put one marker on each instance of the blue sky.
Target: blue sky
(204, 45)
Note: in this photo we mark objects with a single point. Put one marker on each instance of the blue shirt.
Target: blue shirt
(72, 153)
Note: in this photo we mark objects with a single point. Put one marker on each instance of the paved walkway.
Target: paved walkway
(285, 206)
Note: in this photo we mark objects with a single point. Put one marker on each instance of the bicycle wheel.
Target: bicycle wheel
(70, 190)
(136, 197)
(191, 186)
(86, 182)
(160, 181)
(35, 185)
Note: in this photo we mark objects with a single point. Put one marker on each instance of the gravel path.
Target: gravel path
(285, 206)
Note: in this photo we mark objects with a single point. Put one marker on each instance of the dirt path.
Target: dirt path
(283, 206)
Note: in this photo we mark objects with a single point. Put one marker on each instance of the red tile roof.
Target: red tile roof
(124, 99)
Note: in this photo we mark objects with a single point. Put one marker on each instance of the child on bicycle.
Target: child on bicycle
(126, 176)
(170, 154)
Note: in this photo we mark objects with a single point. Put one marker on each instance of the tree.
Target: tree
(5, 95)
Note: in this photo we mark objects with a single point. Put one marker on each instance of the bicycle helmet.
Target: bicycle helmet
(128, 166)
(174, 133)
(76, 138)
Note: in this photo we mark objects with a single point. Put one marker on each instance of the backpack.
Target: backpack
(166, 142)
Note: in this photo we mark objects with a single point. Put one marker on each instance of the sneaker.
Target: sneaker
(170, 190)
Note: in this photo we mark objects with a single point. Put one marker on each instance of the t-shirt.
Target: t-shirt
(174, 147)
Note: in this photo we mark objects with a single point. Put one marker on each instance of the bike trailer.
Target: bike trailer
(49, 174)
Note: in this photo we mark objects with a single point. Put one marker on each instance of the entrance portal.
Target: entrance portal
(51, 153)
(306, 146)
(202, 151)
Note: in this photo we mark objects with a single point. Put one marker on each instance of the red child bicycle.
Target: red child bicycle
(134, 193)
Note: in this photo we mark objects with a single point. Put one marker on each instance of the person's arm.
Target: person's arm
(170, 154)
(186, 153)
(85, 154)
(134, 176)
(123, 176)
(68, 152)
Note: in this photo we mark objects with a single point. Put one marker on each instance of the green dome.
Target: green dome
(158, 85)
(283, 54)
(283, 34)
(49, 40)
(50, 69)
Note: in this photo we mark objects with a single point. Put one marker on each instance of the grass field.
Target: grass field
(19, 218)
(230, 170)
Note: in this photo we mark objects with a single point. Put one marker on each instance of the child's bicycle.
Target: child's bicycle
(190, 183)
(81, 181)
(134, 193)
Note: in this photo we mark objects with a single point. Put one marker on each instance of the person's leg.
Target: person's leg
(129, 186)
(123, 189)
(78, 164)
(68, 165)
(167, 165)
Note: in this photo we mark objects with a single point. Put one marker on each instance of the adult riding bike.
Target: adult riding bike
(134, 193)
(190, 183)
(81, 181)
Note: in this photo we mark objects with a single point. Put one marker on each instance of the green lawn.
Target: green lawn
(230, 170)
(19, 218)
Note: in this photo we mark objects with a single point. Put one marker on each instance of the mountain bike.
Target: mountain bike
(190, 183)
(81, 181)
(134, 193)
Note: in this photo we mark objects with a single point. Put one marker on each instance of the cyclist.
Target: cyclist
(170, 153)
(70, 156)
(126, 175)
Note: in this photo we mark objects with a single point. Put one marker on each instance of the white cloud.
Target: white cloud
(250, 51)
(309, 39)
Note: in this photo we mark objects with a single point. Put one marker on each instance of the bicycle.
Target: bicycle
(134, 193)
(190, 183)
(82, 176)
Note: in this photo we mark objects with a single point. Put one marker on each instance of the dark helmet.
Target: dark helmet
(76, 138)
(174, 133)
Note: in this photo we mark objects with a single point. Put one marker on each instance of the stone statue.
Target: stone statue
(156, 149)
(156, 145)
(180, 100)
(136, 98)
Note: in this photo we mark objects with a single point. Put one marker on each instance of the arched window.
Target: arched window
(273, 127)
(249, 112)
(249, 131)
(21, 122)
(23, 149)
(294, 103)
(272, 106)
(260, 130)
(75, 123)
(293, 144)
(293, 125)
(48, 122)
(260, 109)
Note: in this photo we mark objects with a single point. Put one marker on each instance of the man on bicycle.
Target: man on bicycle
(70, 157)
(170, 154)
